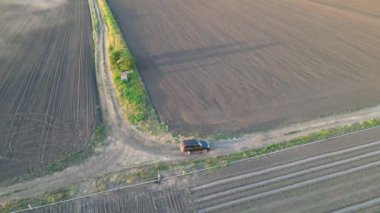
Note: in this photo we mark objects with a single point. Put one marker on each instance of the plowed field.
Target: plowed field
(48, 90)
(225, 65)
(339, 174)
(130, 200)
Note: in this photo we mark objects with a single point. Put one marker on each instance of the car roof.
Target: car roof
(191, 142)
(203, 141)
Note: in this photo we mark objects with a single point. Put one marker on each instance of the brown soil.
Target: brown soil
(128, 148)
(212, 66)
(269, 182)
(136, 199)
(125, 147)
(48, 92)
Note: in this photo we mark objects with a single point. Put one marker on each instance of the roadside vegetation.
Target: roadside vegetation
(58, 195)
(132, 95)
(149, 173)
(317, 136)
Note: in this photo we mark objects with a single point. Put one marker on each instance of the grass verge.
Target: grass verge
(222, 161)
(61, 194)
(320, 135)
(149, 173)
(131, 95)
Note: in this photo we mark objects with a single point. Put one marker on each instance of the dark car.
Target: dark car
(189, 146)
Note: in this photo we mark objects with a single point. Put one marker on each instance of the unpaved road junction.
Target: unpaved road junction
(333, 175)
(345, 85)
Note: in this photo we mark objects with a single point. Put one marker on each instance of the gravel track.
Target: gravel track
(336, 175)
(126, 147)
(48, 90)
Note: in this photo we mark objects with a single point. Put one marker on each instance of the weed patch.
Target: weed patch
(52, 197)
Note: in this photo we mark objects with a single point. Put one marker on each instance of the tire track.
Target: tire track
(289, 187)
(47, 76)
(11, 140)
(244, 190)
(359, 206)
(284, 166)
(285, 177)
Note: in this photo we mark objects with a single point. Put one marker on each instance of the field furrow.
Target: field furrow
(48, 94)
(250, 65)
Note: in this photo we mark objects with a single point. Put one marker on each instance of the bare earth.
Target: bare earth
(48, 90)
(212, 66)
(340, 174)
(127, 148)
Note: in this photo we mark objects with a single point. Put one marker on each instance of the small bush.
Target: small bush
(121, 60)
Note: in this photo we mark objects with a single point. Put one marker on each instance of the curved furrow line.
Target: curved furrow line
(59, 49)
(11, 140)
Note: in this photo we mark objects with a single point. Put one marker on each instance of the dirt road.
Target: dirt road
(212, 66)
(124, 148)
(48, 94)
(335, 175)
(127, 148)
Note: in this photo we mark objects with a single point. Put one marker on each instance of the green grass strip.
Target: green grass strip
(132, 95)
(56, 196)
(321, 135)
